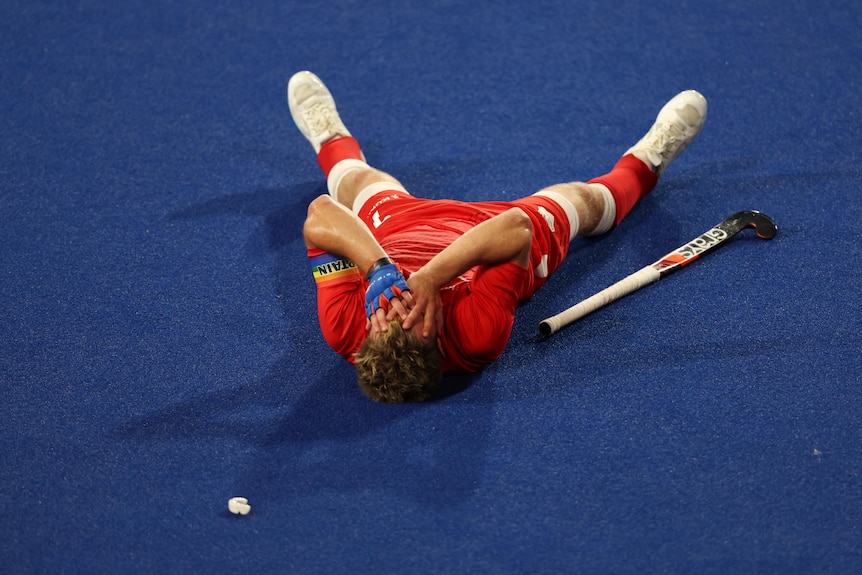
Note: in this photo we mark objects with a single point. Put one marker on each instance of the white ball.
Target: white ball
(239, 506)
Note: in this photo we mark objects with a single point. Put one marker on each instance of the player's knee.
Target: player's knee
(572, 191)
(360, 179)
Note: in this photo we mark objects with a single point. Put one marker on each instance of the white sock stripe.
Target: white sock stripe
(610, 213)
(338, 172)
(568, 207)
(372, 189)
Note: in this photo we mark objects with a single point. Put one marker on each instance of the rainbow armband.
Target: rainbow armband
(330, 268)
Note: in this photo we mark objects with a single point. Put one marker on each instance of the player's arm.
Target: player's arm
(506, 237)
(333, 228)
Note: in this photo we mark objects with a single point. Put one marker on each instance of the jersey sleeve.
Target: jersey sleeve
(340, 302)
(479, 323)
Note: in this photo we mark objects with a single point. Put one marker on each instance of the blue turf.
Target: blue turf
(159, 351)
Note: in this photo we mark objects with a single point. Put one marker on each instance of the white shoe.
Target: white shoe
(676, 125)
(313, 110)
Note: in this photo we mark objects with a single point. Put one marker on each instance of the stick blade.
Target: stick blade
(763, 225)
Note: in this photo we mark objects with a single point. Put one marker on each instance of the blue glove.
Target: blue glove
(384, 283)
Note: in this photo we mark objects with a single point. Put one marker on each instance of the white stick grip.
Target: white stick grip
(627, 285)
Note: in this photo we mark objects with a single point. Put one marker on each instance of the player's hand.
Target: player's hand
(427, 306)
(385, 297)
(398, 307)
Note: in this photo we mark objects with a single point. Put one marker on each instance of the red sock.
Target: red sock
(629, 182)
(333, 151)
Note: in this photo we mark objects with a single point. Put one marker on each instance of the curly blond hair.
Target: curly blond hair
(396, 367)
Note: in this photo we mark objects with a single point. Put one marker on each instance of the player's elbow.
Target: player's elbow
(521, 234)
(315, 217)
(319, 206)
(522, 225)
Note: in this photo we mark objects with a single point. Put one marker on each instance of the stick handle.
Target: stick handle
(625, 286)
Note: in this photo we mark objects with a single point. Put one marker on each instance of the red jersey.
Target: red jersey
(478, 306)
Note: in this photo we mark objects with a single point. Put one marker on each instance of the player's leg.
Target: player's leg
(637, 172)
(584, 205)
(603, 202)
(339, 155)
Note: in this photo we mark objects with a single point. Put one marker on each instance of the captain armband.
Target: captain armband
(329, 267)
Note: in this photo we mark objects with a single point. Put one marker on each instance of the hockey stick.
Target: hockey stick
(682, 256)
